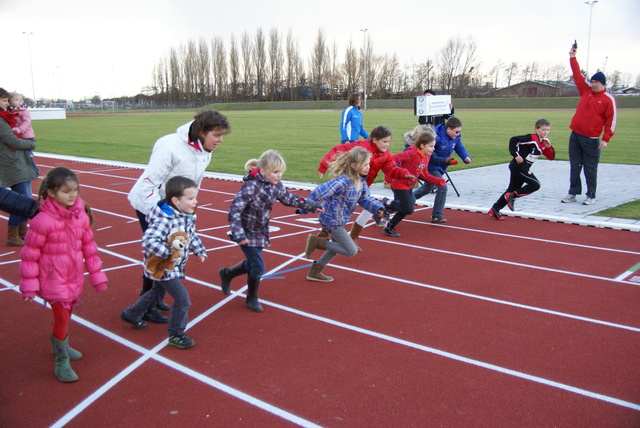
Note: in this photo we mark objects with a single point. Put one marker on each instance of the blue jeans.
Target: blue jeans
(441, 194)
(179, 310)
(583, 152)
(254, 265)
(23, 188)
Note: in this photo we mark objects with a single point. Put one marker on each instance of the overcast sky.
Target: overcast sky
(83, 48)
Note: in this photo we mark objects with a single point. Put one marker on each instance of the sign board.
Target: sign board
(47, 113)
(431, 105)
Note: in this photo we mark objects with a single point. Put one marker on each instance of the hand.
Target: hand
(546, 142)
(319, 210)
(441, 182)
(451, 161)
(467, 160)
(572, 52)
(381, 213)
(602, 144)
(243, 242)
(321, 174)
(519, 159)
(201, 259)
(410, 177)
(15, 130)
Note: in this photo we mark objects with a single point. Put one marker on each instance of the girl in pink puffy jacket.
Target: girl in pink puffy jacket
(57, 246)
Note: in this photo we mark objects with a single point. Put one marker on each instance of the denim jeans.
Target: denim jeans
(441, 194)
(341, 243)
(254, 264)
(23, 188)
(179, 310)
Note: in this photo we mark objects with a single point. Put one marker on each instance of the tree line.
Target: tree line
(271, 67)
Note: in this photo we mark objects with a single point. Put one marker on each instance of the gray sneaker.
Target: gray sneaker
(588, 201)
(569, 198)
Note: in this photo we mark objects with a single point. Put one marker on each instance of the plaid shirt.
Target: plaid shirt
(339, 199)
(162, 219)
(251, 207)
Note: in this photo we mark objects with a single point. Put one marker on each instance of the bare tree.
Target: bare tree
(247, 66)
(333, 73)
(292, 58)
(511, 72)
(175, 75)
(350, 70)
(319, 62)
(234, 68)
(202, 72)
(219, 61)
(260, 60)
(388, 76)
(495, 72)
(275, 66)
(457, 60)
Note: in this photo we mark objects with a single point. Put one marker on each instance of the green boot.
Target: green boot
(73, 354)
(63, 370)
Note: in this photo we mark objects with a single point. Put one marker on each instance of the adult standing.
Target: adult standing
(448, 140)
(16, 171)
(596, 113)
(437, 119)
(351, 126)
(187, 152)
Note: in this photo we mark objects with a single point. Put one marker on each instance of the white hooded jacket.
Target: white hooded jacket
(172, 155)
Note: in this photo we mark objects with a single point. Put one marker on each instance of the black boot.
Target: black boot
(251, 301)
(152, 315)
(227, 274)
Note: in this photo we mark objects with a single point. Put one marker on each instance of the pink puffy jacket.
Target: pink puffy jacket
(57, 246)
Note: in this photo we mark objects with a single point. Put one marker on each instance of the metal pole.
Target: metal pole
(33, 86)
(364, 50)
(591, 4)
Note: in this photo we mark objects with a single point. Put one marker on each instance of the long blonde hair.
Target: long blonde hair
(342, 164)
(269, 161)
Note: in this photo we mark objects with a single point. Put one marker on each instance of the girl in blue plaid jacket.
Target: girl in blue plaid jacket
(340, 197)
(176, 212)
(249, 220)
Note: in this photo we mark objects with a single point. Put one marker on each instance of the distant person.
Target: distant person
(16, 169)
(339, 197)
(186, 153)
(22, 117)
(351, 125)
(249, 220)
(436, 119)
(176, 211)
(448, 140)
(415, 160)
(596, 113)
(58, 245)
(525, 149)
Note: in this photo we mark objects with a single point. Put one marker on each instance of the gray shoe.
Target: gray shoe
(588, 201)
(569, 198)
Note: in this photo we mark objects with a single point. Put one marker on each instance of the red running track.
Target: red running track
(472, 323)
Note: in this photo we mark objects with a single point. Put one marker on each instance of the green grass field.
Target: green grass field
(304, 136)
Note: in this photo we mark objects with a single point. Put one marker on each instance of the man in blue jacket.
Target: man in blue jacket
(448, 140)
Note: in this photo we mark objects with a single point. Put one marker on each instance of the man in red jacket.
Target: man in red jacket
(596, 112)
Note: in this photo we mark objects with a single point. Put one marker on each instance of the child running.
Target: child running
(416, 160)
(249, 220)
(381, 160)
(339, 198)
(57, 245)
(525, 149)
(176, 211)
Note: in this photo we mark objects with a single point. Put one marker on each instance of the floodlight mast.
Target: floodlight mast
(590, 4)
(33, 86)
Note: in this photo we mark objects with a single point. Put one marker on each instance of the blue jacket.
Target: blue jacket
(351, 125)
(445, 146)
(339, 198)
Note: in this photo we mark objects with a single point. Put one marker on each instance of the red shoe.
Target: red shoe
(496, 214)
(511, 198)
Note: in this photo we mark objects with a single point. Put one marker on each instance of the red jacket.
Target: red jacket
(595, 111)
(379, 161)
(416, 163)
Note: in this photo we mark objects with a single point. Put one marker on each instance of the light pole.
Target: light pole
(364, 52)
(33, 86)
(591, 4)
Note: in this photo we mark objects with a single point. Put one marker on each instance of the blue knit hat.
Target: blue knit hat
(599, 76)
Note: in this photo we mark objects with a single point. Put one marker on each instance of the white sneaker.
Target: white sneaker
(588, 201)
(569, 198)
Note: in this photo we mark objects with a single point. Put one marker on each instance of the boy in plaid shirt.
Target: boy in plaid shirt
(175, 212)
